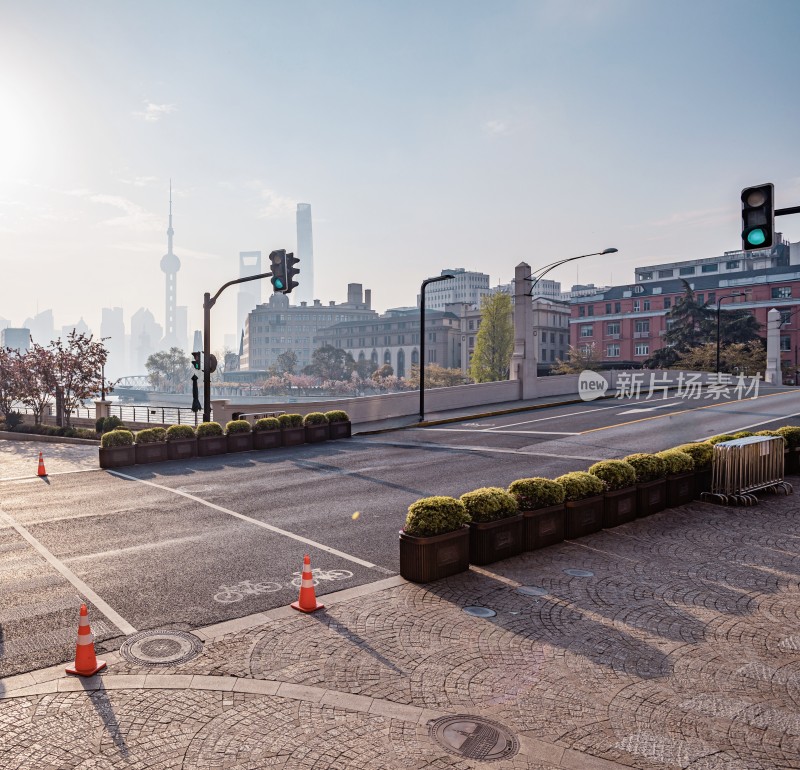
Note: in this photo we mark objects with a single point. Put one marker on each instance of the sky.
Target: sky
(425, 135)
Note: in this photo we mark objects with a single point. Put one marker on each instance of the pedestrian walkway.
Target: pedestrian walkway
(20, 458)
(669, 642)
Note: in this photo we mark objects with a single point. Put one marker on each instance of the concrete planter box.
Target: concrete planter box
(680, 489)
(266, 439)
(652, 497)
(239, 442)
(317, 433)
(182, 449)
(543, 527)
(151, 453)
(491, 541)
(584, 516)
(212, 445)
(340, 429)
(702, 482)
(423, 559)
(791, 462)
(117, 456)
(619, 507)
(293, 436)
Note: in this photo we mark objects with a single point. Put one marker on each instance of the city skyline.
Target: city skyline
(462, 134)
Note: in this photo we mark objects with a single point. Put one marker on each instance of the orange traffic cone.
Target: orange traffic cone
(86, 664)
(308, 599)
(41, 471)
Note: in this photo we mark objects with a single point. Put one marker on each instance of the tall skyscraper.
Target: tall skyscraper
(170, 264)
(112, 325)
(249, 293)
(305, 253)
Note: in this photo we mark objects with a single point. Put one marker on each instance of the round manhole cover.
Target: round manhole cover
(532, 591)
(161, 648)
(473, 737)
(480, 612)
(579, 572)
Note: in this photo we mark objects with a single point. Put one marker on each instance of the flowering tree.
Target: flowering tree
(77, 368)
(10, 385)
(36, 379)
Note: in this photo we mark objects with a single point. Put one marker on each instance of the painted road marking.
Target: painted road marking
(644, 409)
(82, 588)
(454, 448)
(511, 432)
(263, 525)
(757, 424)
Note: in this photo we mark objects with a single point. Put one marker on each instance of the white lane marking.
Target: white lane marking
(82, 588)
(134, 548)
(454, 448)
(754, 425)
(512, 432)
(241, 516)
(645, 409)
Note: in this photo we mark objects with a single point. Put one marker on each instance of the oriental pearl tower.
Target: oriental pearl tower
(170, 264)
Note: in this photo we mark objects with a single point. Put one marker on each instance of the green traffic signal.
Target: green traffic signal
(756, 237)
(277, 283)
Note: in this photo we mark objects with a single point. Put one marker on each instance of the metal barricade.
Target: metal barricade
(744, 466)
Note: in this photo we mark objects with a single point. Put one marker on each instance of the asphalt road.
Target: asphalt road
(184, 545)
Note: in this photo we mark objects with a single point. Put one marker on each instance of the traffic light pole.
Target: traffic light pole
(422, 340)
(208, 303)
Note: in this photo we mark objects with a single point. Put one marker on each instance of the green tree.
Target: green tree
(168, 369)
(437, 376)
(330, 363)
(579, 357)
(495, 340)
(285, 363)
(745, 358)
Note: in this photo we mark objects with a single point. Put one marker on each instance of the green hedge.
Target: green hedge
(290, 421)
(676, 461)
(536, 492)
(489, 504)
(115, 438)
(151, 436)
(208, 429)
(315, 418)
(435, 516)
(179, 432)
(579, 485)
(267, 423)
(616, 474)
(648, 467)
(337, 415)
(791, 434)
(700, 451)
(237, 426)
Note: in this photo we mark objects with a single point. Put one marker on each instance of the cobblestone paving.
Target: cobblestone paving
(682, 650)
(20, 459)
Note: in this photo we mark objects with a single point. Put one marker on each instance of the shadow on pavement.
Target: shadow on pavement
(102, 705)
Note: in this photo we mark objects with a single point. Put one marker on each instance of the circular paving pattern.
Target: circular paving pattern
(473, 737)
(161, 647)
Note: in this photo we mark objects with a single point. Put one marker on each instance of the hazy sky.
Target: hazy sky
(425, 135)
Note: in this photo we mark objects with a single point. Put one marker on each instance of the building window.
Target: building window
(686, 271)
(472, 325)
(387, 358)
(431, 356)
(641, 349)
(712, 297)
(581, 311)
(786, 317)
(647, 304)
(612, 328)
(732, 265)
(591, 310)
(665, 273)
(643, 327)
(612, 351)
(786, 344)
(709, 268)
(645, 276)
(667, 303)
(701, 297)
(636, 306)
(617, 307)
(781, 292)
(587, 330)
(608, 308)
(553, 338)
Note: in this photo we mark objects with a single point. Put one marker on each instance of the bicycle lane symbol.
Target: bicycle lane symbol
(228, 594)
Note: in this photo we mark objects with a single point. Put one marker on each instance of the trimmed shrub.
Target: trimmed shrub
(489, 504)
(208, 429)
(315, 418)
(536, 492)
(791, 434)
(676, 461)
(616, 474)
(337, 415)
(290, 421)
(14, 419)
(579, 485)
(237, 426)
(151, 436)
(116, 438)
(105, 424)
(772, 434)
(648, 467)
(267, 423)
(178, 432)
(743, 434)
(700, 451)
(722, 437)
(435, 516)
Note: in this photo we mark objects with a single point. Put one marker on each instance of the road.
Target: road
(184, 545)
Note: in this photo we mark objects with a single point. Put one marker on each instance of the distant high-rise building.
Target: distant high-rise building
(249, 293)
(80, 327)
(145, 337)
(16, 339)
(197, 342)
(182, 327)
(305, 253)
(466, 286)
(112, 325)
(42, 326)
(4, 323)
(170, 264)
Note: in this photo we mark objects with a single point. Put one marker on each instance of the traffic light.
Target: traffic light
(758, 216)
(278, 268)
(196, 360)
(291, 271)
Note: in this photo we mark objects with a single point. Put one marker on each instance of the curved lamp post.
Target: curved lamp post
(719, 305)
(425, 283)
(543, 271)
(103, 374)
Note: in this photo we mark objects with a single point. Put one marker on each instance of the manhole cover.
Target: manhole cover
(473, 738)
(480, 612)
(579, 572)
(532, 591)
(161, 648)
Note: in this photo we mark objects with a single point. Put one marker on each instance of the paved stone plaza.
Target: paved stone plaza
(677, 645)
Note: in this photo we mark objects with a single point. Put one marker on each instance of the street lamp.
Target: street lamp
(719, 305)
(543, 271)
(103, 374)
(425, 283)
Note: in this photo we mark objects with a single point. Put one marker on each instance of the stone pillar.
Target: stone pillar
(523, 360)
(773, 374)
(101, 409)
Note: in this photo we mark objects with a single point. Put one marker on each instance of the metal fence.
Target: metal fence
(141, 413)
(744, 466)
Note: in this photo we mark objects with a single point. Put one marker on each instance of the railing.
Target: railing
(158, 415)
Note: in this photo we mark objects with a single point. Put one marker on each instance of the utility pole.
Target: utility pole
(425, 283)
